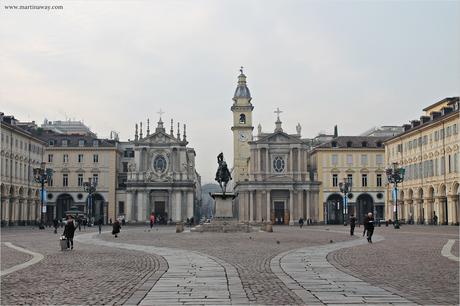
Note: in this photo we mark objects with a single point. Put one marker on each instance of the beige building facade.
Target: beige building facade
(360, 161)
(429, 151)
(20, 153)
(75, 159)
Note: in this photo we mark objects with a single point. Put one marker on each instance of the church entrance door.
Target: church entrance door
(160, 211)
(279, 212)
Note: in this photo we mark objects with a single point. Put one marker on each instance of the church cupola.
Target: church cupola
(242, 90)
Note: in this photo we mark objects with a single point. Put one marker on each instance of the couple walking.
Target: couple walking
(368, 226)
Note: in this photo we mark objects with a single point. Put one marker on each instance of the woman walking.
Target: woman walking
(69, 231)
(116, 228)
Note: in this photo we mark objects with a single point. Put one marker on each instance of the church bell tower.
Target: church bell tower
(242, 129)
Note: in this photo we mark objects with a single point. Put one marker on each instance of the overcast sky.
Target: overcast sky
(115, 63)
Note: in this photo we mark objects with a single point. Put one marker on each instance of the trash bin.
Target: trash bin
(63, 243)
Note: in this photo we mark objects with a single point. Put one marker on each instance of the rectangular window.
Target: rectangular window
(51, 143)
(364, 159)
(121, 207)
(436, 167)
(95, 179)
(334, 180)
(443, 165)
(7, 170)
(80, 180)
(65, 142)
(334, 159)
(364, 180)
(50, 158)
(95, 143)
(441, 133)
(449, 167)
(456, 162)
(350, 179)
(425, 140)
(349, 159)
(65, 180)
(65, 158)
(80, 158)
(95, 158)
(125, 166)
(379, 180)
(81, 143)
(379, 159)
(448, 131)
(436, 136)
(455, 129)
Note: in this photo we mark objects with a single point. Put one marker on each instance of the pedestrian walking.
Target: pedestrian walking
(152, 219)
(435, 218)
(56, 225)
(369, 226)
(301, 222)
(116, 228)
(69, 232)
(79, 225)
(100, 225)
(352, 224)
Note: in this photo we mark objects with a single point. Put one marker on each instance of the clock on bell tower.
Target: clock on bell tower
(242, 128)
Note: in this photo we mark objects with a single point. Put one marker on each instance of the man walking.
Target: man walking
(369, 226)
(69, 231)
(301, 222)
(352, 224)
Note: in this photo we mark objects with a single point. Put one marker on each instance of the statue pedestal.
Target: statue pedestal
(223, 221)
(224, 205)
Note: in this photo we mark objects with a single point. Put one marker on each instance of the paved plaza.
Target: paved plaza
(316, 265)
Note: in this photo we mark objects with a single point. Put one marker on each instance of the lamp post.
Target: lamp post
(42, 175)
(395, 175)
(345, 188)
(90, 188)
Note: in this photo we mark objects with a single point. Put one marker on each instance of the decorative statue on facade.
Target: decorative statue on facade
(222, 174)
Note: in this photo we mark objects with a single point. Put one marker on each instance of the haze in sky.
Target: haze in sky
(116, 63)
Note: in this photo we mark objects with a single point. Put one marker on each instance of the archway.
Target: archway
(334, 206)
(430, 204)
(98, 207)
(365, 205)
(63, 204)
(10, 207)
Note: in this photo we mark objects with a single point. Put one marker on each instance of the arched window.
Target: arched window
(242, 118)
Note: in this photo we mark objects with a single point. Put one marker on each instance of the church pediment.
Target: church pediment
(160, 138)
(278, 137)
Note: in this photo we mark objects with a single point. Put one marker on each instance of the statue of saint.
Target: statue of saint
(223, 174)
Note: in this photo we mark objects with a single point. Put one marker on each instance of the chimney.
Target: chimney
(424, 119)
(435, 115)
(407, 127)
(415, 123)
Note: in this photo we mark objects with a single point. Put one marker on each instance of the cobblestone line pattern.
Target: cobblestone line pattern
(307, 272)
(83, 276)
(249, 253)
(191, 278)
(11, 257)
(408, 263)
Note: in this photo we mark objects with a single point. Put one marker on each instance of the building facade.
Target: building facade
(160, 178)
(360, 161)
(76, 159)
(20, 153)
(270, 173)
(428, 149)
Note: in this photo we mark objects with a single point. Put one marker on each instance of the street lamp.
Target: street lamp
(90, 188)
(42, 175)
(345, 188)
(395, 175)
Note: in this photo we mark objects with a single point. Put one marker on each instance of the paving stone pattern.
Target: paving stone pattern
(11, 257)
(249, 253)
(408, 262)
(86, 275)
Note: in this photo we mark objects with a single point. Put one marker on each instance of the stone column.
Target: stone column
(290, 162)
(189, 204)
(140, 206)
(453, 213)
(300, 204)
(178, 215)
(308, 199)
(267, 171)
(128, 206)
(268, 206)
(251, 206)
(291, 206)
(259, 206)
(299, 163)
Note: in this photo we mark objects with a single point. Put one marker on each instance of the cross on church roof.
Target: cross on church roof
(278, 112)
(241, 69)
(161, 113)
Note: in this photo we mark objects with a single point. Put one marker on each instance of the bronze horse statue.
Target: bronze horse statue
(222, 174)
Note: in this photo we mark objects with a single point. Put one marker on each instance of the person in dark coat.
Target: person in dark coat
(369, 226)
(99, 223)
(56, 225)
(69, 231)
(116, 228)
(301, 222)
(352, 225)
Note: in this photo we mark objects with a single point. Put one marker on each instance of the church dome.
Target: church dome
(242, 90)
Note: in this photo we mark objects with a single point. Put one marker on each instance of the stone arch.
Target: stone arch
(364, 205)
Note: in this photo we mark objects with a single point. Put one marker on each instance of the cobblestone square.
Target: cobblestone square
(315, 265)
